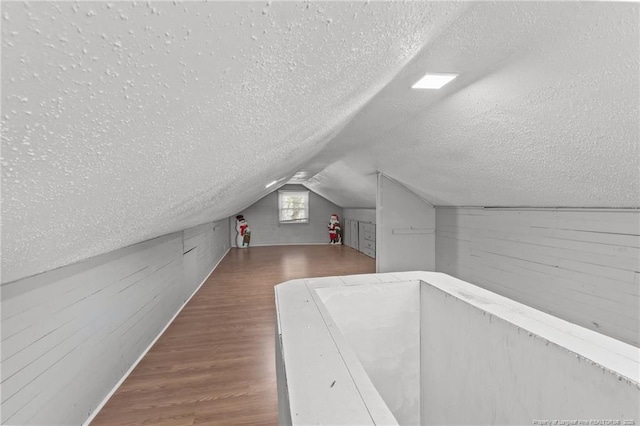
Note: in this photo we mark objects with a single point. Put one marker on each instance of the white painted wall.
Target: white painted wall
(479, 368)
(381, 324)
(580, 265)
(69, 335)
(266, 230)
(360, 215)
(405, 229)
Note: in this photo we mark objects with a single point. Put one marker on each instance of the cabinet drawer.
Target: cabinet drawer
(368, 245)
(368, 235)
(369, 252)
(367, 227)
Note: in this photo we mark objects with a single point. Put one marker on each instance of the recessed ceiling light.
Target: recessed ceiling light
(271, 184)
(433, 81)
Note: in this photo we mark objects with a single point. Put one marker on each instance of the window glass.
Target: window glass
(293, 206)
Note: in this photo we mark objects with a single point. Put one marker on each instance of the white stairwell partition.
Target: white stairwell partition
(481, 358)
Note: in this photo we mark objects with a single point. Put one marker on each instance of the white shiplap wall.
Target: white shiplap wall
(360, 215)
(266, 230)
(69, 335)
(580, 265)
(208, 243)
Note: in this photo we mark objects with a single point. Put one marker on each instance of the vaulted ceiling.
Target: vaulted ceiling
(124, 121)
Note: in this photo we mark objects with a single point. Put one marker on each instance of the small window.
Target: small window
(293, 206)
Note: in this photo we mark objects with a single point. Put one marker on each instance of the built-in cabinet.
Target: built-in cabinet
(367, 238)
(360, 236)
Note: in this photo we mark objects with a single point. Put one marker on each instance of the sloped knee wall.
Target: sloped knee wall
(579, 265)
(69, 335)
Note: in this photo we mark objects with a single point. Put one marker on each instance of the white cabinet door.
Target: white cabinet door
(354, 234)
(346, 232)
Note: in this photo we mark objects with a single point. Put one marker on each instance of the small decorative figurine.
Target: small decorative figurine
(244, 233)
(335, 236)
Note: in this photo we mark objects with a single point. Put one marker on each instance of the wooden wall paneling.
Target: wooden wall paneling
(581, 265)
(70, 334)
(62, 337)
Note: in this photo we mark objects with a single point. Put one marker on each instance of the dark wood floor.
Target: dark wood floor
(215, 364)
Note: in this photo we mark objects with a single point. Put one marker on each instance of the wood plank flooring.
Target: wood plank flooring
(215, 364)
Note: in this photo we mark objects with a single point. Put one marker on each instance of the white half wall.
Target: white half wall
(266, 229)
(489, 361)
(69, 335)
(405, 229)
(381, 324)
(484, 358)
(579, 265)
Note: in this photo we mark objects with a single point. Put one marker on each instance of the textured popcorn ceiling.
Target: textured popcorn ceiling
(124, 121)
(545, 112)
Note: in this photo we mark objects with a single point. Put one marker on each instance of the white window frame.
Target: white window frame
(283, 212)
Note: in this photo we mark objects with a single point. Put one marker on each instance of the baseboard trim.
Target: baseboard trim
(135, 364)
(284, 244)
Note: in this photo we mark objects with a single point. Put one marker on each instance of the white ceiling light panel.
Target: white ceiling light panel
(433, 81)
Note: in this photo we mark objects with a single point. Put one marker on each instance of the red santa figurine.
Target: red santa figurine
(335, 236)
